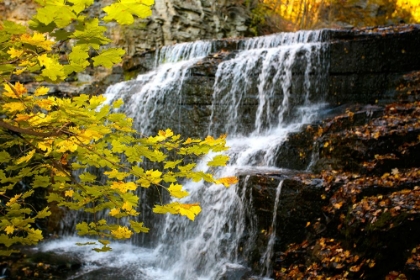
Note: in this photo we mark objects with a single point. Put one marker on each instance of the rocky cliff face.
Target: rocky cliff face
(173, 21)
(176, 21)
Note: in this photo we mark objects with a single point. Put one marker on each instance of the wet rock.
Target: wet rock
(232, 271)
(299, 203)
(43, 265)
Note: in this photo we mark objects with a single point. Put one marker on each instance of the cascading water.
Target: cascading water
(268, 254)
(286, 73)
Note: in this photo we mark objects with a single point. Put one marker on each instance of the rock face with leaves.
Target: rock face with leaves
(52, 143)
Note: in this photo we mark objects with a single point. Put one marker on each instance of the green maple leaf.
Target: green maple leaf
(78, 60)
(91, 34)
(43, 213)
(4, 157)
(138, 227)
(219, 160)
(41, 181)
(109, 57)
(54, 72)
(13, 28)
(123, 10)
(55, 11)
(80, 5)
(36, 25)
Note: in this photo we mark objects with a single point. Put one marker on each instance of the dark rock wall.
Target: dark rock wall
(367, 65)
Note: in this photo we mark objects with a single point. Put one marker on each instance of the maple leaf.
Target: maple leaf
(23, 117)
(154, 176)
(55, 11)
(176, 191)
(19, 71)
(219, 160)
(53, 69)
(34, 235)
(109, 57)
(15, 53)
(26, 158)
(12, 27)
(127, 206)
(80, 5)
(9, 229)
(15, 91)
(114, 173)
(78, 59)
(66, 145)
(37, 40)
(45, 104)
(14, 107)
(138, 227)
(123, 10)
(114, 212)
(43, 213)
(123, 187)
(90, 33)
(13, 200)
(227, 181)
(69, 193)
(188, 210)
(121, 232)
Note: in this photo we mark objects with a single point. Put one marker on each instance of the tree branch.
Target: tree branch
(31, 132)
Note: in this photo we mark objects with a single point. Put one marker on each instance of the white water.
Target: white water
(213, 246)
(268, 254)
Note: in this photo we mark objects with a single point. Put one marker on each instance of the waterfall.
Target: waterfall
(269, 88)
(268, 254)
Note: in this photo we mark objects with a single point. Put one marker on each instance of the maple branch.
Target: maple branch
(31, 132)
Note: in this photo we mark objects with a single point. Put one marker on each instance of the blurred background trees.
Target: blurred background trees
(270, 16)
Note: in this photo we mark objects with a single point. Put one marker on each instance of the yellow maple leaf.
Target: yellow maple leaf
(26, 158)
(121, 232)
(41, 91)
(37, 40)
(114, 212)
(9, 229)
(14, 107)
(133, 212)
(19, 71)
(46, 145)
(114, 173)
(69, 193)
(167, 133)
(13, 200)
(15, 91)
(66, 145)
(227, 181)
(127, 206)
(123, 187)
(154, 176)
(45, 104)
(25, 63)
(14, 52)
(89, 134)
(44, 60)
(189, 210)
(177, 191)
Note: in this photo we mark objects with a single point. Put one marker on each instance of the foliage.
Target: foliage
(277, 15)
(57, 143)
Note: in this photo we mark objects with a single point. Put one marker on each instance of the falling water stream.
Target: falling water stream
(286, 99)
